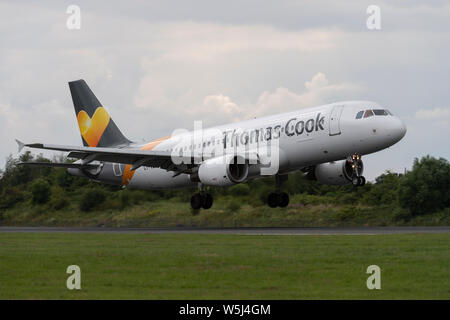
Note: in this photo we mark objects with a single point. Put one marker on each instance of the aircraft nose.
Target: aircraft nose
(398, 129)
(402, 129)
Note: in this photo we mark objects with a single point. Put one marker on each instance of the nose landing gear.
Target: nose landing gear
(357, 167)
(359, 181)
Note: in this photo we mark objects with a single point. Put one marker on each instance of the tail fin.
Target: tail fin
(96, 126)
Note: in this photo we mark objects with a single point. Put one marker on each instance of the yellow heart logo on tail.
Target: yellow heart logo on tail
(92, 128)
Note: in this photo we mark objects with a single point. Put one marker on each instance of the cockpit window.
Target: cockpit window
(380, 112)
(368, 113)
(359, 114)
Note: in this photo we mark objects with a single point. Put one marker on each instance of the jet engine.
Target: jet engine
(90, 170)
(226, 170)
(336, 172)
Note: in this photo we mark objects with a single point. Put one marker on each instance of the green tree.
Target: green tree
(125, 198)
(10, 197)
(59, 199)
(22, 174)
(63, 178)
(384, 191)
(92, 198)
(425, 189)
(40, 190)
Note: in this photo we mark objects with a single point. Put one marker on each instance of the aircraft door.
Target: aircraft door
(117, 169)
(335, 117)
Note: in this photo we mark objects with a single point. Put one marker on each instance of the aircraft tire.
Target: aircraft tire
(283, 200)
(207, 201)
(362, 181)
(196, 201)
(272, 200)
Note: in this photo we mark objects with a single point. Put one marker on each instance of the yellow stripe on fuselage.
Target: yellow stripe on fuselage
(128, 174)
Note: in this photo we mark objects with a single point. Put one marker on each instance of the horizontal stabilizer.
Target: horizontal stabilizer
(125, 156)
(60, 165)
(20, 144)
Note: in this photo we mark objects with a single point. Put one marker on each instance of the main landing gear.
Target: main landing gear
(201, 200)
(357, 167)
(278, 198)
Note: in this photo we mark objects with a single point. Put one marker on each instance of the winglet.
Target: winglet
(20, 144)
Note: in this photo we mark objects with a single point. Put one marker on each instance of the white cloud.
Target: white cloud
(6, 114)
(195, 41)
(433, 114)
(155, 68)
(318, 91)
(220, 109)
(151, 94)
(191, 53)
(220, 103)
(47, 121)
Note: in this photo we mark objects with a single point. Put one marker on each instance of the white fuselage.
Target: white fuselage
(304, 138)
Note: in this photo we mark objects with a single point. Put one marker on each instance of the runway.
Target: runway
(236, 231)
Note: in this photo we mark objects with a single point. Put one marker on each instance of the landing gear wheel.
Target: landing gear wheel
(362, 181)
(278, 200)
(283, 200)
(207, 201)
(272, 200)
(196, 201)
(204, 201)
(358, 181)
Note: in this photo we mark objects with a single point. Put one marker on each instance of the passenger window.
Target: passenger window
(359, 115)
(368, 113)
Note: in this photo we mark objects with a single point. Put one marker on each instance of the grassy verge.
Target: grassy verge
(155, 266)
(304, 210)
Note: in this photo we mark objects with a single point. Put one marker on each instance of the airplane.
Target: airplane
(326, 143)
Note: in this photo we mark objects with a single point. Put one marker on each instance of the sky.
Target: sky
(160, 65)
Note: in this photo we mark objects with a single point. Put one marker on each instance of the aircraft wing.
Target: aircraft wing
(135, 157)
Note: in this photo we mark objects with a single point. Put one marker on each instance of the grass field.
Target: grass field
(177, 266)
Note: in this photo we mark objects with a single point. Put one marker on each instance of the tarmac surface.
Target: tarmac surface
(236, 231)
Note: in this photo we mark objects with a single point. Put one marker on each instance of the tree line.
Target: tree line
(422, 190)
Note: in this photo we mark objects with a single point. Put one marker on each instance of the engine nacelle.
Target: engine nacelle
(222, 171)
(91, 173)
(336, 173)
